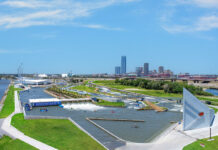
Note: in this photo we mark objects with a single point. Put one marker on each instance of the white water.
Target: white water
(83, 106)
(177, 108)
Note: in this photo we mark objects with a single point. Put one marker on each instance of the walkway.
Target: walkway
(174, 139)
(13, 132)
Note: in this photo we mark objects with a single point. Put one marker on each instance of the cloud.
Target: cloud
(193, 16)
(205, 23)
(97, 26)
(2, 51)
(25, 13)
(200, 3)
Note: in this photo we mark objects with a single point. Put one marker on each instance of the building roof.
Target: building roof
(44, 100)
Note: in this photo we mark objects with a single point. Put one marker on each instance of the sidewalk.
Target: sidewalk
(13, 132)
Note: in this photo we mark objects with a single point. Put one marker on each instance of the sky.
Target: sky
(90, 36)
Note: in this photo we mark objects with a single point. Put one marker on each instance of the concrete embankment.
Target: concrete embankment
(56, 95)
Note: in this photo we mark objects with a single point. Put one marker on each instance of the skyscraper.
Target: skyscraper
(161, 69)
(146, 69)
(139, 71)
(123, 64)
(117, 70)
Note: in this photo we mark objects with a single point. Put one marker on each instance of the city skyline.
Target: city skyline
(89, 37)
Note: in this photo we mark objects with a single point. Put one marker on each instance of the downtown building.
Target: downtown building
(146, 69)
(117, 70)
(123, 65)
(139, 71)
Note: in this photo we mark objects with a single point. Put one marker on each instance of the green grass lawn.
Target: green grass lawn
(209, 145)
(111, 84)
(213, 99)
(58, 133)
(6, 143)
(8, 106)
(85, 88)
(215, 109)
(157, 93)
(107, 103)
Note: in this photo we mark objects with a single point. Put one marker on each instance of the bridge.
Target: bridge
(192, 80)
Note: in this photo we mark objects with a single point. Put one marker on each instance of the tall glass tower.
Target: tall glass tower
(123, 64)
(146, 69)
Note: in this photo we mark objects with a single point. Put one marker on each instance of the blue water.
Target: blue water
(212, 91)
(3, 86)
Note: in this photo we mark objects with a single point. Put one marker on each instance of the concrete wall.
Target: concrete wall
(195, 113)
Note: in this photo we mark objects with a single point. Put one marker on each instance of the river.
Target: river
(3, 86)
(212, 91)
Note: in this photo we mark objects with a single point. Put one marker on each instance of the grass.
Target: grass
(8, 106)
(215, 109)
(209, 145)
(112, 104)
(6, 143)
(111, 84)
(157, 93)
(85, 88)
(61, 134)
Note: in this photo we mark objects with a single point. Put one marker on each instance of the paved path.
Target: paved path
(13, 132)
(175, 139)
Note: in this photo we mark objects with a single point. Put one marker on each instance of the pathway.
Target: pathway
(13, 132)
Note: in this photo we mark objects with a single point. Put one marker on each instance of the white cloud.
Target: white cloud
(200, 3)
(205, 23)
(55, 12)
(176, 19)
(97, 26)
(2, 51)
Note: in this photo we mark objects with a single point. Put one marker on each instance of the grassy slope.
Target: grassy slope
(61, 134)
(107, 103)
(209, 145)
(85, 88)
(8, 107)
(6, 143)
(215, 109)
(158, 93)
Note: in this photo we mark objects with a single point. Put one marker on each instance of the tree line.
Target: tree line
(168, 87)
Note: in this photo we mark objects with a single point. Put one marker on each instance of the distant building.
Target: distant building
(123, 65)
(64, 75)
(42, 75)
(117, 70)
(139, 71)
(161, 69)
(155, 71)
(146, 69)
